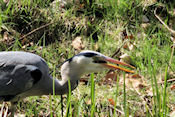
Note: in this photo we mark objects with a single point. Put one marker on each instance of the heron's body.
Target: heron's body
(16, 80)
(24, 74)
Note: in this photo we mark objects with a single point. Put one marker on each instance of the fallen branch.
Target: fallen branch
(39, 28)
(170, 80)
(118, 49)
(2, 108)
(173, 40)
(171, 57)
(117, 110)
(166, 26)
(162, 82)
(145, 102)
(6, 112)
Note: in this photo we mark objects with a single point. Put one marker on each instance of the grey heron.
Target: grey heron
(24, 74)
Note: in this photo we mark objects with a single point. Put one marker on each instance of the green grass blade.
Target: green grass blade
(116, 95)
(92, 95)
(164, 94)
(80, 107)
(68, 107)
(124, 95)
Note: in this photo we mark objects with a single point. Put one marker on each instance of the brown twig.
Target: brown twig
(173, 38)
(170, 80)
(166, 26)
(118, 49)
(6, 112)
(2, 108)
(117, 52)
(171, 57)
(142, 98)
(39, 28)
(117, 110)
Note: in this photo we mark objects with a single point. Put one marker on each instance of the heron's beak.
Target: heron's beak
(113, 66)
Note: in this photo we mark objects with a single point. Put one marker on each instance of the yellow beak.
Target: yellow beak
(113, 66)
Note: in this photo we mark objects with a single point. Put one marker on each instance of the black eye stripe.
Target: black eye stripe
(99, 61)
(89, 54)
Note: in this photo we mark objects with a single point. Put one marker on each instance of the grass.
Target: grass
(92, 96)
(104, 26)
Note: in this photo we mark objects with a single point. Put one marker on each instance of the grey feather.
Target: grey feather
(17, 72)
(24, 74)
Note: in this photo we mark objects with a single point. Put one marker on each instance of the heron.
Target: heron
(24, 74)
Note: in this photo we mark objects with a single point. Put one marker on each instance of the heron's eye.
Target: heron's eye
(98, 60)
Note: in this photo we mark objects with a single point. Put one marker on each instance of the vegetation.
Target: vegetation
(125, 29)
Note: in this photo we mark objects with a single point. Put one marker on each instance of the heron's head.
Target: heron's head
(91, 61)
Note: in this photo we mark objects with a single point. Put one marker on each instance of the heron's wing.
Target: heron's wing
(16, 79)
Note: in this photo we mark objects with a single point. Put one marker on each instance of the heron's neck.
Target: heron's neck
(62, 86)
(68, 72)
